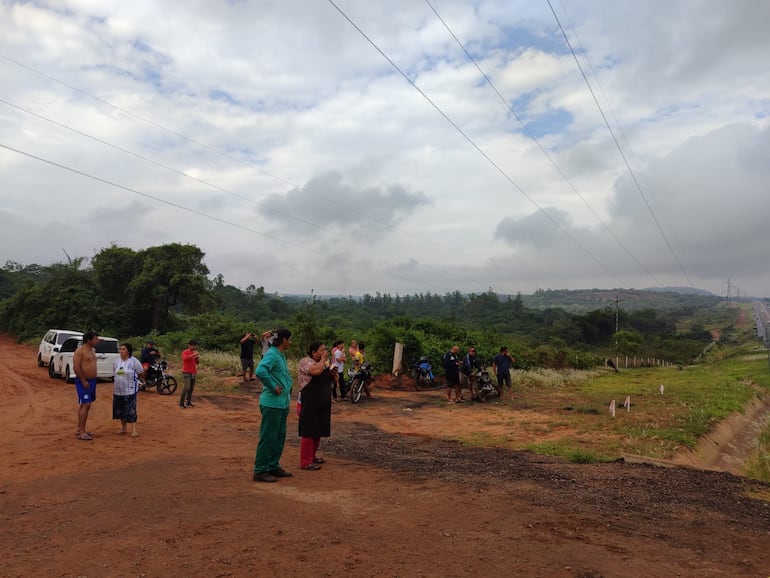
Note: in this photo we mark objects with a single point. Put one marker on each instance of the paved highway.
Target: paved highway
(762, 321)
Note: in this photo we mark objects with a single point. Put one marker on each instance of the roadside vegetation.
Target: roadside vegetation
(562, 381)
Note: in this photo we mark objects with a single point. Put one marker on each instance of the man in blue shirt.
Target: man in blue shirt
(501, 366)
(273, 372)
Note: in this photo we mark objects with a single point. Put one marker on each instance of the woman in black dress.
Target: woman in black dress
(315, 380)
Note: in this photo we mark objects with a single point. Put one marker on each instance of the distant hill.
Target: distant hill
(583, 300)
(680, 290)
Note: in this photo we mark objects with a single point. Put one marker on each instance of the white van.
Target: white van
(107, 351)
(51, 343)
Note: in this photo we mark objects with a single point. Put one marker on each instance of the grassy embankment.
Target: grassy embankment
(568, 412)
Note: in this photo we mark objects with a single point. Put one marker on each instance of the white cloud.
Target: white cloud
(316, 165)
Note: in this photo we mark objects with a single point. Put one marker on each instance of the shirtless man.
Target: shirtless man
(84, 365)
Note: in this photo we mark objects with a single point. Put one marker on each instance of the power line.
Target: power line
(473, 143)
(156, 163)
(355, 212)
(617, 145)
(281, 240)
(623, 136)
(537, 142)
(351, 210)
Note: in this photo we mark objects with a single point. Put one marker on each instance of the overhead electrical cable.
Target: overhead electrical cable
(474, 145)
(203, 214)
(537, 142)
(353, 211)
(620, 149)
(623, 136)
(159, 164)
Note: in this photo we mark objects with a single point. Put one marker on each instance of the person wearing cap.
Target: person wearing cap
(273, 372)
(470, 365)
(190, 358)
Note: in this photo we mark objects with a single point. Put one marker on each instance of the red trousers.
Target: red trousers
(307, 450)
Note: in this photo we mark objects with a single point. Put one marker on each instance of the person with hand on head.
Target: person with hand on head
(315, 381)
(247, 356)
(190, 358)
(266, 339)
(501, 366)
(273, 372)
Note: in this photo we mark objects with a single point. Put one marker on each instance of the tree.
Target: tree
(169, 276)
(115, 268)
(68, 297)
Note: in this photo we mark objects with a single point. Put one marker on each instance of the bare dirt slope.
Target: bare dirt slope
(179, 499)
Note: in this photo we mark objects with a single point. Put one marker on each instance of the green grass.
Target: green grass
(569, 453)
(758, 465)
(695, 398)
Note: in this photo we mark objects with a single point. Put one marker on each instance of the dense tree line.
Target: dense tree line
(165, 291)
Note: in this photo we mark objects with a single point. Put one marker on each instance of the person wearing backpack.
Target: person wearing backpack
(451, 363)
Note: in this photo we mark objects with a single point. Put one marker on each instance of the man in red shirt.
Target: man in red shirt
(190, 357)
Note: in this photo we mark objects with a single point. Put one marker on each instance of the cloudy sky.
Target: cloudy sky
(398, 146)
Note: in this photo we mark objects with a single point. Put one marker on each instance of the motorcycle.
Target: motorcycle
(422, 372)
(158, 378)
(359, 380)
(485, 388)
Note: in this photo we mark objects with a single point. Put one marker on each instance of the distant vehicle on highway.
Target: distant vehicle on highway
(51, 344)
(107, 351)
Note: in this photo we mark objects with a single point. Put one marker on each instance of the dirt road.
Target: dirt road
(179, 500)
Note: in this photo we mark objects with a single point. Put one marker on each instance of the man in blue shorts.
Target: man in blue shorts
(84, 366)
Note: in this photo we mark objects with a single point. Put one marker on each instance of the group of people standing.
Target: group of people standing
(128, 375)
(126, 372)
(461, 373)
(319, 374)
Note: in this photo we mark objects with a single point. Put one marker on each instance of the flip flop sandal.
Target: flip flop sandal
(85, 437)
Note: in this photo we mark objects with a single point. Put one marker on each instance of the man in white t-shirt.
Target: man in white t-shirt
(338, 360)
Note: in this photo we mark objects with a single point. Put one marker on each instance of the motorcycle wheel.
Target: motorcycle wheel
(356, 388)
(167, 386)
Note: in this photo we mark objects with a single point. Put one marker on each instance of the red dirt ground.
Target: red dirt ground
(393, 498)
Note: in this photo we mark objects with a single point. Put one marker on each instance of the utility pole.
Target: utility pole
(729, 291)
